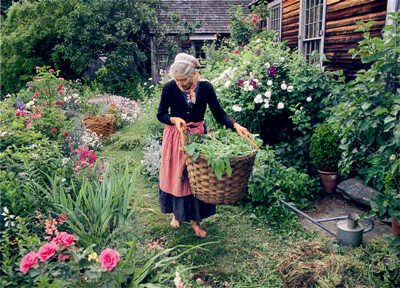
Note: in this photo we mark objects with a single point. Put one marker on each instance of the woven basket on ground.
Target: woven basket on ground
(227, 190)
(102, 126)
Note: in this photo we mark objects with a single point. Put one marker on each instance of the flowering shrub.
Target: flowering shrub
(271, 90)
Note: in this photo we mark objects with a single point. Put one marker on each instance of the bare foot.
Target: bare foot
(197, 230)
(175, 223)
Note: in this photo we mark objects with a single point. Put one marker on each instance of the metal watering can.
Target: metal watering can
(349, 231)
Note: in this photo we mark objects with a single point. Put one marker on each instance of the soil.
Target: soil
(335, 205)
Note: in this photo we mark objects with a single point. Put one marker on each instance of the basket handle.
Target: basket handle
(84, 117)
(183, 138)
(252, 142)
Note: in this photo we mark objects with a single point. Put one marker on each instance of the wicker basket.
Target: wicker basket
(102, 126)
(227, 190)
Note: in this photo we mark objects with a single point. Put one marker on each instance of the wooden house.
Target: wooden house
(327, 26)
(213, 16)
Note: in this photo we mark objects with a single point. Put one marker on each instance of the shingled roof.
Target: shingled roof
(213, 14)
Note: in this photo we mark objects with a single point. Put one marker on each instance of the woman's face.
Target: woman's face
(183, 82)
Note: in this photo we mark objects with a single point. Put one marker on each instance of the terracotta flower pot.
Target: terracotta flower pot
(329, 180)
(395, 227)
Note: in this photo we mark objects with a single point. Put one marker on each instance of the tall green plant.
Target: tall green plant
(369, 115)
(100, 207)
(370, 111)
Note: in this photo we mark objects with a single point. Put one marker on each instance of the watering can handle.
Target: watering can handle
(370, 227)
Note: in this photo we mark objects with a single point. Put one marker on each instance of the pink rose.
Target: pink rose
(108, 258)
(60, 92)
(29, 261)
(51, 70)
(54, 130)
(236, 52)
(59, 87)
(64, 238)
(61, 79)
(47, 250)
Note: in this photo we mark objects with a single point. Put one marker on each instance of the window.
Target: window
(198, 41)
(274, 21)
(312, 28)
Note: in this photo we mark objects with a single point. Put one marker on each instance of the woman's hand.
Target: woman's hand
(242, 131)
(178, 122)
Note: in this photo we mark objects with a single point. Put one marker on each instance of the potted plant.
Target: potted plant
(326, 154)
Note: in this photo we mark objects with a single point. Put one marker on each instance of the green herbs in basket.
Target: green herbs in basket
(218, 147)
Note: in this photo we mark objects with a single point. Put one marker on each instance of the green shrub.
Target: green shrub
(324, 148)
(271, 181)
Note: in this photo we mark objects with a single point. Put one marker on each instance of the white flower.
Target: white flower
(258, 99)
(281, 105)
(234, 68)
(151, 86)
(5, 209)
(3, 133)
(150, 79)
(267, 64)
(218, 89)
(308, 99)
(63, 180)
(35, 156)
(269, 82)
(290, 88)
(268, 94)
(236, 108)
(145, 83)
(227, 84)
(246, 62)
(251, 88)
(282, 59)
(258, 40)
(392, 157)
(64, 161)
(266, 105)
(283, 86)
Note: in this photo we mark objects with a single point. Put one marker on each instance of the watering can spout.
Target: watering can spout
(352, 220)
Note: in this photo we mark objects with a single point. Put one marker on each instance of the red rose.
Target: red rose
(54, 130)
(108, 258)
(46, 251)
(29, 261)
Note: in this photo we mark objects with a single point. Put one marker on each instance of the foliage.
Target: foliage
(217, 148)
(99, 206)
(117, 30)
(30, 33)
(271, 181)
(370, 110)
(152, 156)
(324, 148)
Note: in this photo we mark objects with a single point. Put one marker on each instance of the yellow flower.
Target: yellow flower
(93, 256)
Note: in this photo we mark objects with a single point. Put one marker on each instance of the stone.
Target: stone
(357, 191)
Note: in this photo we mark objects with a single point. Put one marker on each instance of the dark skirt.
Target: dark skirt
(185, 208)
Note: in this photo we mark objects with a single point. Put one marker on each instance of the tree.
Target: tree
(30, 35)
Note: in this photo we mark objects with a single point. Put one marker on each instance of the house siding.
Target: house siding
(340, 24)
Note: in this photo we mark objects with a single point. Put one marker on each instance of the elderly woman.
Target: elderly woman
(183, 104)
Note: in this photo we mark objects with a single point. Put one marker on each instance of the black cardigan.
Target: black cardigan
(172, 98)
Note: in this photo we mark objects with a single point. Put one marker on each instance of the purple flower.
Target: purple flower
(272, 71)
(21, 106)
(240, 82)
(258, 51)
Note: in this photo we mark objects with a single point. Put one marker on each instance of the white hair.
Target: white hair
(184, 65)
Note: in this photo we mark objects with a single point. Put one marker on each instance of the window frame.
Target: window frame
(302, 29)
(272, 5)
